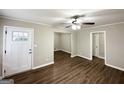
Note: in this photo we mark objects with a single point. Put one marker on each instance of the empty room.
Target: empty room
(61, 46)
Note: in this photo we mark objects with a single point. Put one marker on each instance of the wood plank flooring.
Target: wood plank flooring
(67, 70)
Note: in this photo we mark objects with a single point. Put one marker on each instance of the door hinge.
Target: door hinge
(5, 51)
(6, 32)
(4, 71)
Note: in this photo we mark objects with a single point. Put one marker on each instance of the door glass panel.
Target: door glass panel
(25, 34)
(15, 33)
(20, 36)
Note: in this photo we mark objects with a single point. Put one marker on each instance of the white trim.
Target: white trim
(91, 33)
(34, 22)
(84, 57)
(4, 45)
(17, 19)
(38, 23)
(71, 45)
(100, 57)
(64, 51)
(58, 50)
(91, 43)
(119, 68)
(32, 64)
(40, 66)
(105, 42)
(73, 56)
(25, 28)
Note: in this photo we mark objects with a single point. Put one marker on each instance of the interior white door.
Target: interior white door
(96, 44)
(18, 56)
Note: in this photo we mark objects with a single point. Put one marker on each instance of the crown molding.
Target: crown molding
(38, 23)
(17, 19)
(33, 22)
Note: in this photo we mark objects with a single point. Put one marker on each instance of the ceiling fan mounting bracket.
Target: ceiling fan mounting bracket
(74, 22)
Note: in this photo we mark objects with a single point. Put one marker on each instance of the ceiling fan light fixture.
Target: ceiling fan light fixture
(78, 27)
(79, 21)
(74, 27)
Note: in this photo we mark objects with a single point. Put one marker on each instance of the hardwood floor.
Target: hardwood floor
(67, 70)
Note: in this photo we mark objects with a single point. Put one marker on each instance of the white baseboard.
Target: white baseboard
(57, 50)
(100, 57)
(62, 50)
(40, 66)
(65, 51)
(85, 57)
(73, 55)
(119, 68)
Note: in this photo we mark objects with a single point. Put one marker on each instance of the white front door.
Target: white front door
(18, 50)
(96, 44)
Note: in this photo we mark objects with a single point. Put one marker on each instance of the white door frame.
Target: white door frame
(4, 45)
(91, 44)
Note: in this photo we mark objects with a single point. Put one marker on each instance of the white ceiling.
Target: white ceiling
(54, 17)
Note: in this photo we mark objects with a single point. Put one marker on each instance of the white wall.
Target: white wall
(56, 41)
(65, 42)
(62, 41)
(101, 45)
(114, 43)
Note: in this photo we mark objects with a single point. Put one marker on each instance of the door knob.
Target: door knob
(30, 51)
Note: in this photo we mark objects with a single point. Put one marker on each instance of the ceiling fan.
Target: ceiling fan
(76, 24)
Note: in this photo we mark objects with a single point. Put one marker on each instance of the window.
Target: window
(20, 36)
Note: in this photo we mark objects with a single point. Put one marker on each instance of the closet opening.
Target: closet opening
(98, 45)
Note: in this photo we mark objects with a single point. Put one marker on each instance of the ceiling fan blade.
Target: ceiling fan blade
(88, 23)
(68, 26)
(77, 16)
(82, 15)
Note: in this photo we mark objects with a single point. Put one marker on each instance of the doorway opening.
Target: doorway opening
(17, 50)
(98, 44)
(62, 43)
